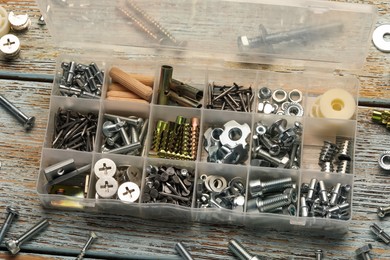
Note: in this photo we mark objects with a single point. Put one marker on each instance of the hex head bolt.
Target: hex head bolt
(239, 251)
(364, 252)
(383, 211)
(12, 213)
(183, 252)
(92, 237)
(380, 233)
(27, 121)
(14, 245)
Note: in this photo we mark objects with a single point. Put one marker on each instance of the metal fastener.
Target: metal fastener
(182, 251)
(12, 213)
(383, 211)
(19, 22)
(92, 237)
(10, 46)
(14, 245)
(384, 160)
(239, 251)
(259, 188)
(28, 121)
(380, 233)
(364, 252)
(319, 254)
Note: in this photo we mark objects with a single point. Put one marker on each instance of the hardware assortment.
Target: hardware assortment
(316, 202)
(338, 155)
(231, 98)
(280, 102)
(168, 184)
(277, 145)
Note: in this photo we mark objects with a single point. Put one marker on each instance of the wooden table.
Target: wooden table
(27, 82)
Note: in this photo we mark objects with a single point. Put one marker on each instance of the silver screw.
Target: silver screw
(183, 251)
(280, 163)
(364, 252)
(380, 233)
(28, 121)
(14, 245)
(12, 213)
(259, 188)
(92, 237)
(319, 254)
(239, 251)
(270, 204)
(383, 211)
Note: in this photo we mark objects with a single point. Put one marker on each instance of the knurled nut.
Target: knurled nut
(384, 160)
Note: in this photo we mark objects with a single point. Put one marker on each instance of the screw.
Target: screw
(239, 251)
(364, 252)
(183, 251)
(280, 163)
(259, 188)
(92, 237)
(319, 254)
(14, 245)
(272, 203)
(28, 121)
(380, 233)
(383, 211)
(12, 213)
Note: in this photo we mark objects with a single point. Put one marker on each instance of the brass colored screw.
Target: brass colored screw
(377, 116)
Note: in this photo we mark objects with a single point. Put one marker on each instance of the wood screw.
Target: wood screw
(28, 121)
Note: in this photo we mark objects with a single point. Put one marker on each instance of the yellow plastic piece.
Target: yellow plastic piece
(336, 103)
(4, 23)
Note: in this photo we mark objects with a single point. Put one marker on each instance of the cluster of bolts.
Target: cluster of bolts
(278, 195)
(117, 182)
(233, 98)
(124, 135)
(277, 145)
(168, 185)
(74, 130)
(280, 102)
(317, 200)
(228, 144)
(214, 191)
(381, 117)
(79, 80)
(338, 154)
(176, 140)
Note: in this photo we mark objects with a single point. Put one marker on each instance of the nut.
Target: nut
(265, 93)
(279, 96)
(293, 109)
(234, 134)
(295, 95)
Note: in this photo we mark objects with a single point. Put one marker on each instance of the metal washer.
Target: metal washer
(378, 38)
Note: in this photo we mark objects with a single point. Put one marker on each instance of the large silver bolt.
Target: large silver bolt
(239, 251)
(92, 237)
(183, 252)
(364, 252)
(12, 213)
(259, 188)
(380, 233)
(270, 204)
(14, 245)
(27, 121)
(383, 211)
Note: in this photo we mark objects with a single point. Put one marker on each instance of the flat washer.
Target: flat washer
(384, 160)
(378, 37)
(279, 95)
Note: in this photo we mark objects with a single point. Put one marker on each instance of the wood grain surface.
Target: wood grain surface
(124, 237)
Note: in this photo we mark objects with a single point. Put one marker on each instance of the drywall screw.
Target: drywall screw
(14, 245)
(28, 121)
(380, 233)
(92, 237)
(319, 254)
(383, 211)
(364, 252)
(12, 213)
(259, 188)
(239, 251)
(182, 251)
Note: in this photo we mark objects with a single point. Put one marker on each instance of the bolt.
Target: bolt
(364, 252)
(122, 132)
(239, 251)
(280, 163)
(28, 121)
(259, 188)
(383, 211)
(92, 237)
(311, 189)
(183, 251)
(14, 245)
(335, 194)
(273, 149)
(109, 128)
(270, 204)
(319, 254)
(380, 233)
(12, 213)
(137, 122)
(304, 207)
(124, 149)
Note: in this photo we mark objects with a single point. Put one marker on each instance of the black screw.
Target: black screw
(28, 121)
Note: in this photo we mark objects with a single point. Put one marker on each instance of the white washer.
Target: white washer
(378, 37)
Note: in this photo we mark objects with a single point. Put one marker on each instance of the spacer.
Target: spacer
(378, 37)
(336, 103)
(4, 23)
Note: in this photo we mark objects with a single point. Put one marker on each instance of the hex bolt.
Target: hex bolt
(383, 211)
(319, 254)
(239, 251)
(380, 233)
(14, 245)
(281, 163)
(364, 252)
(12, 213)
(259, 188)
(182, 251)
(92, 237)
(28, 121)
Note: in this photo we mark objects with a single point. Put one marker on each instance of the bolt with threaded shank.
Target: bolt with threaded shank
(27, 121)
(380, 233)
(383, 211)
(259, 188)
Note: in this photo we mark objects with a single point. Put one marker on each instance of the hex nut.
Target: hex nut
(265, 93)
(294, 109)
(279, 96)
(295, 95)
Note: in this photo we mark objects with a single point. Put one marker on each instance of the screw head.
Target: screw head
(12, 210)
(381, 212)
(29, 123)
(12, 246)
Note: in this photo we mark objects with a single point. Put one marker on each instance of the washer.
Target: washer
(384, 160)
(295, 95)
(378, 37)
(279, 95)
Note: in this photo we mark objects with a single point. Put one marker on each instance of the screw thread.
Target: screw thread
(380, 233)
(33, 231)
(344, 150)
(238, 250)
(278, 184)
(328, 152)
(194, 137)
(270, 204)
(344, 166)
(186, 141)
(327, 167)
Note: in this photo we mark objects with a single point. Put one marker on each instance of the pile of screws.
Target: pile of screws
(176, 140)
(280, 102)
(278, 195)
(114, 182)
(276, 145)
(228, 145)
(338, 155)
(168, 185)
(317, 200)
(214, 191)
(124, 135)
(79, 80)
(381, 117)
(233, 98)
(74, 130)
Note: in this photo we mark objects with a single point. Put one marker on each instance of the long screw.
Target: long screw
(28, 121)
(14, 245)
(239, 251)
(12, 213)
(380, 233)
(182, 251)
(92, 237)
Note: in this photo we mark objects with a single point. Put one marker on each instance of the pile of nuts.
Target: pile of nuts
(168, 185)
(228, 145)
(277, 145)
(338, 154)
(280, 102)
(233, 98)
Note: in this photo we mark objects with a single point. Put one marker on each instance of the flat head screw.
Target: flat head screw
(14, 245)
(383, 211)
(364, 252)
(27, 121)
(183, 252)
(239, 251)
(12, 213)
(92, 237)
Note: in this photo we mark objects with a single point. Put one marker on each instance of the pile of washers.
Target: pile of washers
(280, 102)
